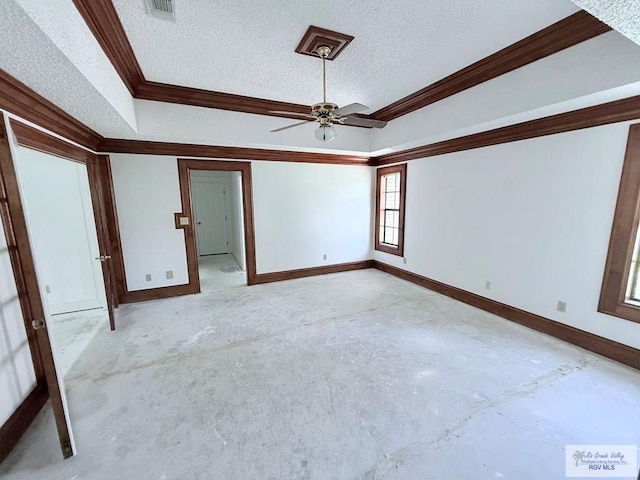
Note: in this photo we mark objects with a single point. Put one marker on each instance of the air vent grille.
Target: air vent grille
(162, 5)
(163, 9)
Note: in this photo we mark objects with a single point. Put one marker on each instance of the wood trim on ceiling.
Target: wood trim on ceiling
(316, 37)
(602, 346)
(20, 100)
(112, 145)
(312, 271)
(103, 21)
(561, 35)
(613, 112)
(163, 92)
(19, 421)
(35, 139)
(102, 18)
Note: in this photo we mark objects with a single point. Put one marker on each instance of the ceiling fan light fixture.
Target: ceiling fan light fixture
(326, 133)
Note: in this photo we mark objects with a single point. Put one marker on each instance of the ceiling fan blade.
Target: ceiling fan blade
(291, 126)
(349, 109)
(292, 114)
(362, 122)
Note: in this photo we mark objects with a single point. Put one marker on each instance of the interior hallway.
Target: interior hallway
(357, 375)
(220, 271)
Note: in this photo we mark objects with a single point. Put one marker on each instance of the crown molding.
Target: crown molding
(111, 145)
(612, 112)
(17, 98)
(561, 35)
(102, 18)
(103, 21)
(163, 92)
(35, 139)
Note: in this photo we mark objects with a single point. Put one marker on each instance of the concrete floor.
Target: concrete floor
(356, 375)
(72, 333)
(220, 271)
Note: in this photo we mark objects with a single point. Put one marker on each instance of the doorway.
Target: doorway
(217, 220)
(60, 221)
(216, 202)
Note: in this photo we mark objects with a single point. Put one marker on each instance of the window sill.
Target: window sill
(399, 251)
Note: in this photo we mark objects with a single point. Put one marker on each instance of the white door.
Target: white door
(210, 215)
(57, 204)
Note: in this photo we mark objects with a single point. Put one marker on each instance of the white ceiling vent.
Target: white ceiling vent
(162, 9)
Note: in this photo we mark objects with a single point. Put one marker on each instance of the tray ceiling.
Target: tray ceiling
(247, 48)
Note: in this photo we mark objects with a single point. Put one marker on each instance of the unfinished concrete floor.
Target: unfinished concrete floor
(356, 375)
(72, 333)
(220, 271)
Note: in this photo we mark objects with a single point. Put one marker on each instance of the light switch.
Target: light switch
(184, 220)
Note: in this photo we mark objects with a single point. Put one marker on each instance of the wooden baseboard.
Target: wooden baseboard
(20, 420)
(310, 272)
(603, 346)
(157, 293)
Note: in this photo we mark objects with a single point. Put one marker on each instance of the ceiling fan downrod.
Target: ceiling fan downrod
(324, 52)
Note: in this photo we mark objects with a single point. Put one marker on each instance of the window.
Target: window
(620, 295)
(390, 199)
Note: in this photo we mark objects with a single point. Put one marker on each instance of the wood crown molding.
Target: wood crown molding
(163, 92)
(566, 33)
(613, 112)
(103, 21)
(20, 100)
(602, 346)
(102, 18)
(35, 139)
(238, 153)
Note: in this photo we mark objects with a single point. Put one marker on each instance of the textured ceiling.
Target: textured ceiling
(623, 15)
(30, 56)
(247, 47)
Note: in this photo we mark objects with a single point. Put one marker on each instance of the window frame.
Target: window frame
(615, 281)
(380, 172)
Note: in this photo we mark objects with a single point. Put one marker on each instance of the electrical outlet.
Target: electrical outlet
(324, 256)
(169, 274)
(487, 285)
(562, 306)
(147, 277)
(47, 289)
(404, 259)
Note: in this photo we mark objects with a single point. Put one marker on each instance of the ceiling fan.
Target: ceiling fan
(329, 114)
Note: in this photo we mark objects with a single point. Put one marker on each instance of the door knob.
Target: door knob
(199, 223)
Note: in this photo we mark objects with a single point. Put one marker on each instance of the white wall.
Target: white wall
(147, 194)
(303, 211)
(237, 219)
(17, 378)
(57, 203)
(532, 217)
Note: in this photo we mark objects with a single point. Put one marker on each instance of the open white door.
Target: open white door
(33, 306)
